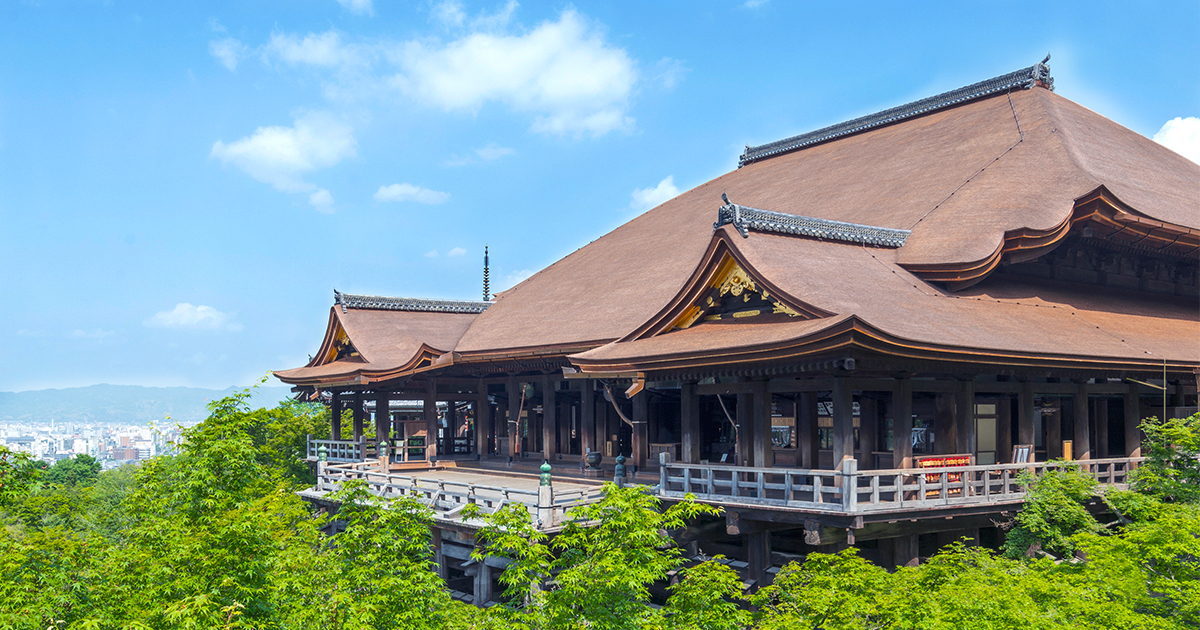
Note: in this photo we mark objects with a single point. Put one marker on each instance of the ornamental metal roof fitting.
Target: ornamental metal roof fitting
(744, 219)
(1024, 79)
(382, 303)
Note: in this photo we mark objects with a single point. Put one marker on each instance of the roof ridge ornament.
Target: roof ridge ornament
(744, 219)
(1037, 75)
(383, 303)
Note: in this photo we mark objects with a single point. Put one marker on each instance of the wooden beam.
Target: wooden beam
(964, 405)
(800, 385)
(1133, 417)
(429, 412)
(1025, 416)
(764, 454)
(807, 432)
(843, 421)
(641, 427)
(713, 389)
(335, 416)
(587, 413)
(549, 419)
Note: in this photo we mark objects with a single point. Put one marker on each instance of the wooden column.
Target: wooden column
(1082, 443)
(843, 421)
(641, 423)
(1025, 416)
(964, 418)
(745, 429)
(902, 424)
(689, 422)
(452, 425)
(807, 436)
(482, 582)
(382, 418)
(358, 416)
(483, 421)
(565, 410)
(549, 419)
(1053, 426)
(868, 431)
(758, 556)
(1133, 417)
(943, 423)
(1100, 406)
(906, 550)
(764, 455)
(429, 413)
(587, 416)
(335, 416)
(514, 416)
(1003, 429)
(439, 559)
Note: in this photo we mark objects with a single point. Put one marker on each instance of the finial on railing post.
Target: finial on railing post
(545, 498)
(619, 471)
(322, 453)
(545, 478)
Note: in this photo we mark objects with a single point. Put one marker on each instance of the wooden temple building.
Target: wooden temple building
(859, 336)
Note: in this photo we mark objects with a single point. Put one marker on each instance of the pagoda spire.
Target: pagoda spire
(486, 293)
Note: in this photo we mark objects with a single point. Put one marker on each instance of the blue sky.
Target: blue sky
(183, 185)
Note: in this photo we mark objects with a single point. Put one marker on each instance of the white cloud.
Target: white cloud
(513, 279)
(431, 253)
(321, 200)
(448, 13)
(497, 21)
(358, 7)
(563, 73)
(646, 198)
(279, 156)
(228, 51)
(91, 334)
(186, 316)
(754, 4)
(457, 251)
(325, 50)
(493, 151)
(408, 192)
(1181, 135)
(669, 72)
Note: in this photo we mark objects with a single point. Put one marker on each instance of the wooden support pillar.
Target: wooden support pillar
(807, 436)
(429, 413)
(358, 416)
(1100, 406)
(587, 419)
(1082, 443)
(439, 558)
(902, 424)
(868, 430)
(640, 446)
(335, 415)
(451, 431)
(482, 590)
(549, 419)
(1053, 426)
(1133, 417)
(943, 423)
(382, 418)
(1025, 416)
(964, 418)
(483, 420)
(764, 454)
(843, 421)
(689, 422)
(1003, 428)
(514, 416)
(758, 556)
(745, 429)
(906, 551)
(566, 420)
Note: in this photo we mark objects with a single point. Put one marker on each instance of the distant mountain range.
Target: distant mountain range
(125, 404)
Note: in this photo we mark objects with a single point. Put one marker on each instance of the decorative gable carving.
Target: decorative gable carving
(733, 294)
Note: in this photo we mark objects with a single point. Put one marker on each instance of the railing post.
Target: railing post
(545, 497)
(619, 472)
(662, 476)
(850, 484)
(322, 462)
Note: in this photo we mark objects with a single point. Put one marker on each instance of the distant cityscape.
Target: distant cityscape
(116, 424)
(112, 444)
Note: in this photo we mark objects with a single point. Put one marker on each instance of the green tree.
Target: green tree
(81, 470)
(1172, 467)
(1054, 511)
(18, 473)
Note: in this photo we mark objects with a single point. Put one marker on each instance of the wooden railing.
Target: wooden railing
(873, 490)
(337, 450)
(547, 506)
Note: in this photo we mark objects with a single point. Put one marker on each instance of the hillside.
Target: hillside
(127, 404)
